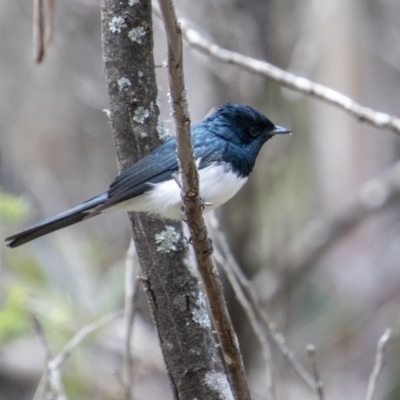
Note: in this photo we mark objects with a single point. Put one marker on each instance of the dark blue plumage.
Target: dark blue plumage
(226, 144)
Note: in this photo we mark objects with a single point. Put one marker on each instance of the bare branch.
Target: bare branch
(319, 384)
(39, 331)
(51, 9)
(53, 364)
(191, 200)
(379, 362)
(53, 375)
(129, 315)
(248, 308)
(291, 81)
(38, 31)
(57, 361)
(42, 385)
(228, 261)
(43, 25)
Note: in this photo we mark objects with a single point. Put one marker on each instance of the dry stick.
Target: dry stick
(277, 338)
(379, 362)
(51, 9)
(41, 386)
(54, 364)
(191, 200)
(80, 336)
(38, 31)
(54, 375)
(319, 384)
(248, 309)
(129, 315)
(291, 81)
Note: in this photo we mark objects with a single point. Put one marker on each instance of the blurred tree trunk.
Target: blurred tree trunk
(171, 285)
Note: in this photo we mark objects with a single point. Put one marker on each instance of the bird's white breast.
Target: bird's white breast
(217, 185)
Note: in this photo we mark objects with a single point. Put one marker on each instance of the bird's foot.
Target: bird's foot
(204, 204)
(210, 249)
(183, 213)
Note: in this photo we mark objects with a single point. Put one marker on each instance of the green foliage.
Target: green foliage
(12, 209)
(13, 317)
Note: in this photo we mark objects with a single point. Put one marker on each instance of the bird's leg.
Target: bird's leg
(204, 204)
(176, 178)
(183, 213)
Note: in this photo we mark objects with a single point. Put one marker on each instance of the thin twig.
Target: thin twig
(38, 328)
(53, 375)
(39, 27)
(43, 27)
(319, 384)
(267, 327)
(42, 385)
(251, 315)
(51, 9)
(53, 365)
(379, 362)
(129, 315)
(291, 81)
(191, 201)
(80, 336)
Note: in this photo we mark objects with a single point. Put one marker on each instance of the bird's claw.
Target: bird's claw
(210, 249)
(203, 205)
(183, 213)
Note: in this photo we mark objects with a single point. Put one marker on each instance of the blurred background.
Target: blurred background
(56, 151)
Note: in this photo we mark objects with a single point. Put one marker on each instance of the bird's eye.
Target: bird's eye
(254, 131)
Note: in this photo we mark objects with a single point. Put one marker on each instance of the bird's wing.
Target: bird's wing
(155, 168)
(159, 166)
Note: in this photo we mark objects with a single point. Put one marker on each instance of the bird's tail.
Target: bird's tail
(60, 221)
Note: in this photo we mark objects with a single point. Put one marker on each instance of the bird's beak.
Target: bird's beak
(280, 130)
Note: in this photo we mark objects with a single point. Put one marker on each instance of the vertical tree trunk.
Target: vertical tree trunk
(178, 308)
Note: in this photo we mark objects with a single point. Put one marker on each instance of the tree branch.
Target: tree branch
(39, 24)
(54, 364)
(52, 375)
(224, 258)
(129, 315)
(319, 384)
(86, 330)
(289, 80)
(379, 362)
(190, 194)
(243, 290)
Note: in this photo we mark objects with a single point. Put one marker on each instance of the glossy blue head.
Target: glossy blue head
(245, 131)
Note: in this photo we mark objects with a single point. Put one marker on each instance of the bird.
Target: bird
(226, 145)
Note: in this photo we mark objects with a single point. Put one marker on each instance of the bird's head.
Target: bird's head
(245, 131)
(244, 125)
